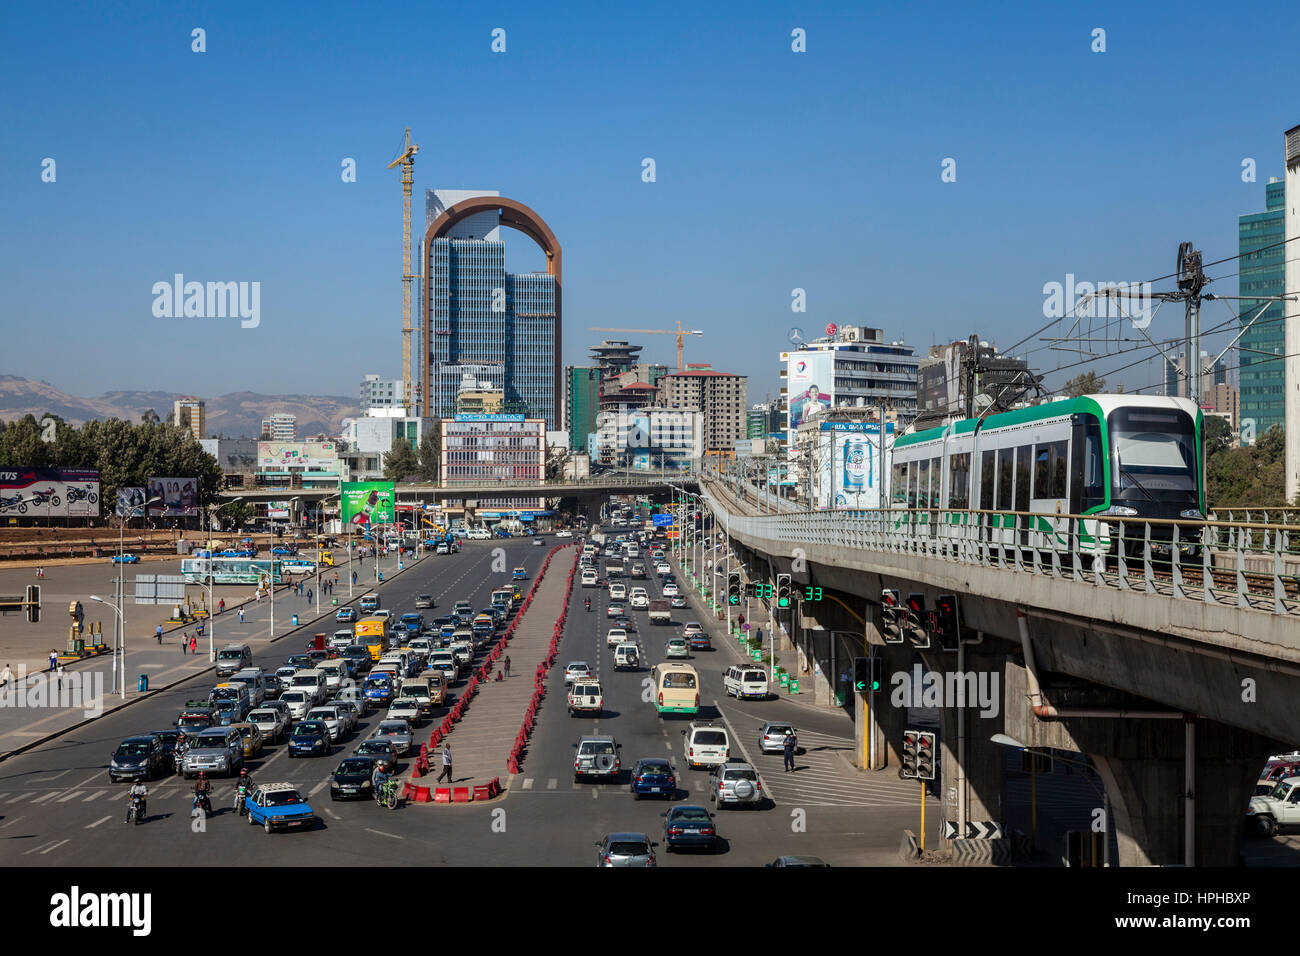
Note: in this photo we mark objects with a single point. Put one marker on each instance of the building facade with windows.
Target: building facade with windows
(719, 396)
(650, 438)
(1262, 273)
(480, 450)
(581, 403)
(189, 413)
(280, 427)
(378, 392)
(478, 315)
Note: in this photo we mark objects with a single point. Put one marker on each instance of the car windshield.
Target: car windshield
(628, 849)
(710, 738)
(598, 747)
(740, 775)
(374, 747)
(353, 765)
(137, 749)
(390, 728)
(293, 697)
(281, 798)
(655, 770)
(779, 730)
(208, 742)
(309, 728)
(1280, 791)
(230, 655)
(592, 690)
(1155, 449)
(246, 730)
(262, 717)
(682, 681)
(754, 676)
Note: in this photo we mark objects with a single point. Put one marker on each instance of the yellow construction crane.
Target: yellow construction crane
(679, 333)
(406, 159)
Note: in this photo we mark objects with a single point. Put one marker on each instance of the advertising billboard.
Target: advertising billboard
(810, 378)
(850, 466)
(130, 503)
(367, 502)
(297, 454)
(49, 492)
(179, 497)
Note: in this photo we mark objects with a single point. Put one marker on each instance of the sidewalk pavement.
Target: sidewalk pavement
(86, 689)
(481, 741)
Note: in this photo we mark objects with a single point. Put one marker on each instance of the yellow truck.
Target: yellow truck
(373, 633)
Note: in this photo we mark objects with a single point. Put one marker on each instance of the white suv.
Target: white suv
(638, 599)
(585, 697)
(704, 745)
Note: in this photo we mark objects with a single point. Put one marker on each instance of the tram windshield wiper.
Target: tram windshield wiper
(1133, 478)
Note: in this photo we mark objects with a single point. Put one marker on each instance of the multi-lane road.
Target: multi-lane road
(58, 808)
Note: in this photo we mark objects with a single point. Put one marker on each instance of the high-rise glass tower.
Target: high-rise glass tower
(502, 327)
(1263, 273)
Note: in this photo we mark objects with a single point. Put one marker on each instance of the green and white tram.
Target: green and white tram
(1101, 456)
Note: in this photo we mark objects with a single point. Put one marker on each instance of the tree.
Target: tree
(150, 417)
(401, 462)
(1252, 476)
(236, 513)
(1086, 384)
(431, 455)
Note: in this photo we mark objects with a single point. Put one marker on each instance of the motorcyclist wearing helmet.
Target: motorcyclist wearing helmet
(138, 789)
(243, 788)
(381, 778)
(178, 755)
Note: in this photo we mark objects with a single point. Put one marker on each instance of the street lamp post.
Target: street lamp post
(212, 614)
(117, 611)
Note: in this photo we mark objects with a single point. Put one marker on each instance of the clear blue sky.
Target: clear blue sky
(775, 170)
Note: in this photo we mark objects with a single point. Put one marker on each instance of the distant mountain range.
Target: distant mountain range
(238, 414)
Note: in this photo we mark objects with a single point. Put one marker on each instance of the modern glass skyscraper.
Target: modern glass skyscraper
(1263, 273)
(582, 403)
(500, 326)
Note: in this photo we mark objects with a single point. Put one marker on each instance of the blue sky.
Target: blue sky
(775, 170)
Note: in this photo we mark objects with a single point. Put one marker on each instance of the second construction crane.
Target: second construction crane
(680, 333)
(406, 159)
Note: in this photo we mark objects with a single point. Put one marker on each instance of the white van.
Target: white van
(478, 534)
(705, 745)
(617, 592)
(312, 681)
(589, 578)
(745, 680)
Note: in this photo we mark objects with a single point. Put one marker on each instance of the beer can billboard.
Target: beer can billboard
(850, 466)
(366, 502)
(49, 492)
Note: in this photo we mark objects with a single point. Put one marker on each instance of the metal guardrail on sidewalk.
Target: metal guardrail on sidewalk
(1252, 565)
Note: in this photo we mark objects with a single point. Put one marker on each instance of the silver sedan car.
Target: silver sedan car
(398, 733)
(625, 849)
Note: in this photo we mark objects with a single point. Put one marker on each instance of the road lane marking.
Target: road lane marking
(47, 796)
(21, 796)
(37, 847)
(552, 783)
(594, 794)
(528, 784)
(330, 812)
(317, 789)
(74, 793)
(52, 848)
(95, 796)
(91, 826)
(382, 833)
(9, 823)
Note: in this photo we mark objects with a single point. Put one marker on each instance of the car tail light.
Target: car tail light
(697, 700)
(661, 699)
(758, 785)
(607, 860)
(675, 830)
(707, 831)
(690, 752)
(719, 786)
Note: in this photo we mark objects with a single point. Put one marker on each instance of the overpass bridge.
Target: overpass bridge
(1176, 671)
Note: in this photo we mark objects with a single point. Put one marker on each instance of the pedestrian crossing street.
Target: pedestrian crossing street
(823, 777)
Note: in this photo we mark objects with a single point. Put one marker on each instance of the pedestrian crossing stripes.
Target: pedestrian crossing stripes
(823, 777)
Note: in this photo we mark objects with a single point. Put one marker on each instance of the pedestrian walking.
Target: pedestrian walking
(54, 659)
(158, 634)
(309, 595)
(221, 607)
(336, 577)
(241, 615)
(185, 641)
(58, 676)
(354, 577)
(507, 667)
(446, 764)
(194, 642)
(787, 749)
(6, 676)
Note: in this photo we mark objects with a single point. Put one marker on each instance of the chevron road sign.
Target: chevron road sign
(975, 830)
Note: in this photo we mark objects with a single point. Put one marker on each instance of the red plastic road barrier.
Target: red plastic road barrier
(482, 792)
(460, 795)
(421, 794)
(494, 786)
(512, 764)
(441, 795)
(424, 751)
(408, 791)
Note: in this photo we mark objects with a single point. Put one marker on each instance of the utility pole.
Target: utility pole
(1191, 281)
(972, 369)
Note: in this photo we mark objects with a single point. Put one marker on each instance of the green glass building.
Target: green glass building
(1263, 273)
(581, 404)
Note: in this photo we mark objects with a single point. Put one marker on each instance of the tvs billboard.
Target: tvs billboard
(178, 497)
(297, 454)
(49, 492)
(368, 502)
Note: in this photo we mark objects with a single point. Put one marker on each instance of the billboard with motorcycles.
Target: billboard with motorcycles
(49, 492)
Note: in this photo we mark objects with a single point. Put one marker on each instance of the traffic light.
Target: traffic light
(733, 588)
(946, 625)
(891, 612)
(908, 770)
(34, 603)
(783, 590)
(925, 755)
(862, 674)
(916, 620)
(877, 673)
